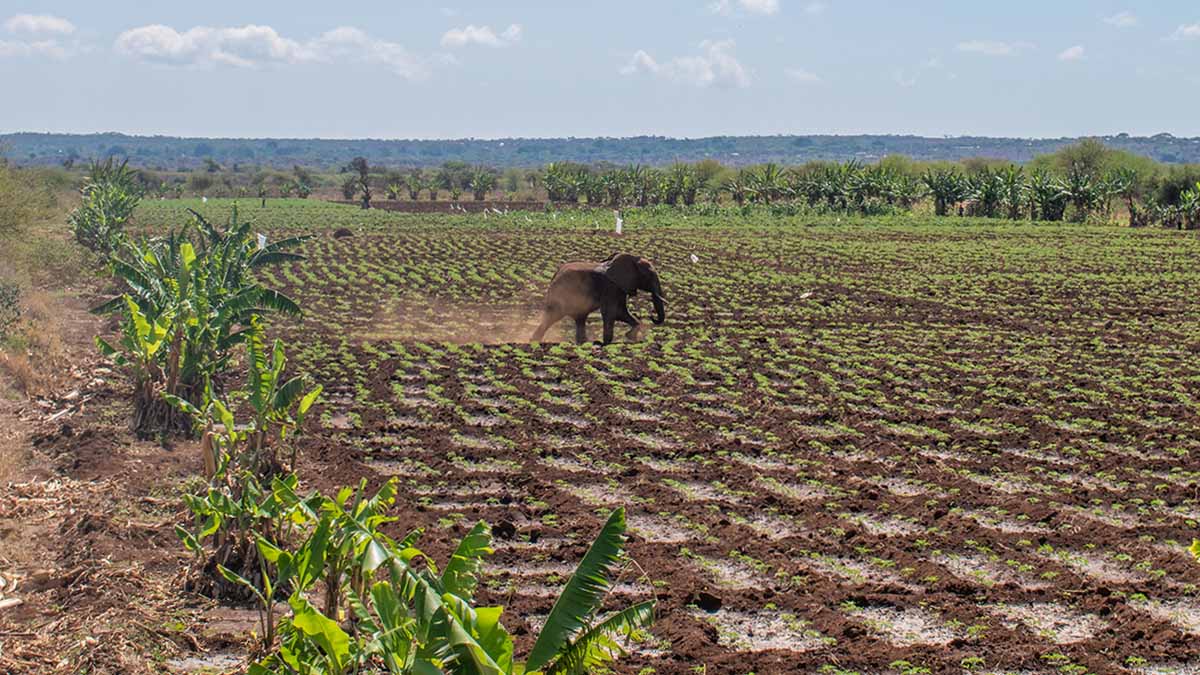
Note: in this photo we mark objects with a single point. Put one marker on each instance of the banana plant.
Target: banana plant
(110, 194)
(738, 187)
(986, 191)
(947, 187)
(419, 620)
(1047, 196)
(615, 187)
(281, 569)
(641, 184)
(199, 281)
(1189, 208)
(482, 181)
(573, 641)
(593, 188)
(1123, 182)
(1013, 189)
(767, 183)
(414, 182)
(1080, 189)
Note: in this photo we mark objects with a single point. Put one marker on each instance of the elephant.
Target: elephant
(580, 288)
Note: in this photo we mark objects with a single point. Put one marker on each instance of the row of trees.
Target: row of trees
(1076, 183)
(1081, 190)
(454, 178)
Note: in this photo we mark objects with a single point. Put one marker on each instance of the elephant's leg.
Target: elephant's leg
(581, 330)
(627, 317)
(548, 319)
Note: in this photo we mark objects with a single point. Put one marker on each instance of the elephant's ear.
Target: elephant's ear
(622, 270)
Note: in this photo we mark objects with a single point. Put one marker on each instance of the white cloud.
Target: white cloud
(1187, 32)
(766, 7)
(815, 8)
(254, 46)
(482, 35)
(1075, 53)
(716, 66)
(1122, 20)
(45, 33)
(993, 47)
(39, 24)
(245, 47)
(802, 76)
(353, 45)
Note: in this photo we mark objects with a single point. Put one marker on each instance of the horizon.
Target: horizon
(522, 70)
(614, 138)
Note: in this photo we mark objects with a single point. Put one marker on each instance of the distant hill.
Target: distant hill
(166, 152)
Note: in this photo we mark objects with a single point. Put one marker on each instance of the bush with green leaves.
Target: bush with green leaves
(190, 298)
(111, 193)
(407, 616)
(235, 513)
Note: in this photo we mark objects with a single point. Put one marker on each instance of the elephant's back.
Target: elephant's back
(572, 290)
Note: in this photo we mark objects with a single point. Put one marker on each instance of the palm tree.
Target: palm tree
(362, 176)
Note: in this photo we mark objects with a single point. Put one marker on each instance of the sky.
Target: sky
(446, 69)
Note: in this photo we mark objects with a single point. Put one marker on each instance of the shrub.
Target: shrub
(10, 308)
(110, 193)
(21, 202)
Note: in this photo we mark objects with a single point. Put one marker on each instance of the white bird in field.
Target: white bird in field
(204, 199)
(620, 221)
(695, 259)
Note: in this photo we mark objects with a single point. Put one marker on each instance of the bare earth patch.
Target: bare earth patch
(761, 631)
(1057, 623)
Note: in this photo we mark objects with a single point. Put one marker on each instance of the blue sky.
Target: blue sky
(677, 68)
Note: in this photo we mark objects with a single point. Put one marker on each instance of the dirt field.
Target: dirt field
(960, 448)
(849, 449)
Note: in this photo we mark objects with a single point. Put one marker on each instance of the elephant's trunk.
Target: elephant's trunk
(660, 309)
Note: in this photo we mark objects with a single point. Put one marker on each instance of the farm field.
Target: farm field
(854, 446)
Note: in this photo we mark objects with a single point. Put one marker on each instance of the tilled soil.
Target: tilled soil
(960, 449)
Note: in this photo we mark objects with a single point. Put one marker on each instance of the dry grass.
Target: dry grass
(35, 358)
